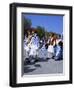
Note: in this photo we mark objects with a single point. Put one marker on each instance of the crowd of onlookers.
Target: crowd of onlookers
(33, 44)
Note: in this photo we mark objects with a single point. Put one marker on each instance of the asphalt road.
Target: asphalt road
(44, 67)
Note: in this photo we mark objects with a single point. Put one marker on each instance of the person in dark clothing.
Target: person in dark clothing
(59, 51)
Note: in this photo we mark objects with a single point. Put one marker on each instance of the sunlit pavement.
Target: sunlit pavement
(44, 67)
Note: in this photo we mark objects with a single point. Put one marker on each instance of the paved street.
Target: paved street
(44, 67)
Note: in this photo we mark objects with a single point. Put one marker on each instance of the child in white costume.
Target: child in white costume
(34, 45)
(50, 50)
(42, 52)
(26, 47)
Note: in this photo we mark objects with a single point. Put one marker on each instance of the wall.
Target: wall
(4, 43)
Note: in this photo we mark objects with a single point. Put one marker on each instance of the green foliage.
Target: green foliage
(27, 23)
(40, 31)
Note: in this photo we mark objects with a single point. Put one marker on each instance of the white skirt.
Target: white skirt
(50, 49)
(33, 50)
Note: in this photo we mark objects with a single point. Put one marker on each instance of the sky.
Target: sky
(51, 23)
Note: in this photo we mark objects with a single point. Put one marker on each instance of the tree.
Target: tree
(40, 31)
(27, 23)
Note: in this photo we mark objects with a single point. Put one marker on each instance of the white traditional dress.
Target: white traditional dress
(50, 51)
(26, 48)
(43, 52)
(34, 45)
(26, 44)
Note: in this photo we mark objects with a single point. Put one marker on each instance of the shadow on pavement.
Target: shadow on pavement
(28, 69)
(37, 65)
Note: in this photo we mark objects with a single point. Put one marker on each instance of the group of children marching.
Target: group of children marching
(52, 47)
